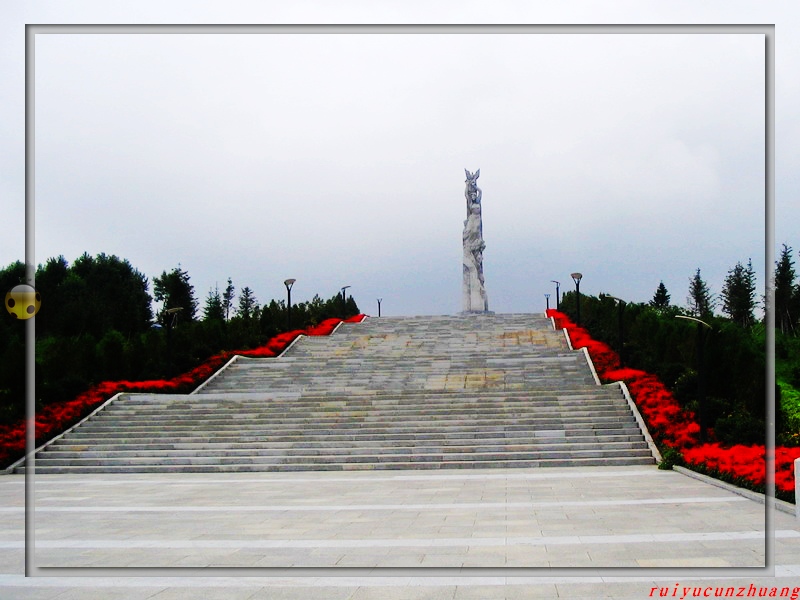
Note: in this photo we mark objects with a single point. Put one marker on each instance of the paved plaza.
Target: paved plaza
(456, 534)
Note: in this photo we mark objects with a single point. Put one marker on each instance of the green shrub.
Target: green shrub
(670, 457)
(740, 427)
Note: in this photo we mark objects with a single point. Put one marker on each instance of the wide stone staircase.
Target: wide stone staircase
(388, 393)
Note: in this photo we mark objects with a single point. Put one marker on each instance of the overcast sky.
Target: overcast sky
(338, 159)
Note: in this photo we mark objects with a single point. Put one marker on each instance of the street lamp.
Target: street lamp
(547, 298)
(557, 284)
(289, 283)
(379, 306)
(621, 306)
(576, 277)
(701, 380)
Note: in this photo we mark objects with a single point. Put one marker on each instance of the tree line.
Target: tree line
(648, 336)
(98, 323)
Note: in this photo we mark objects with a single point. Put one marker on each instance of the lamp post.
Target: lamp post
(344, 305)
(379, 306)
(547, 298)
(576, 277)
(701, 380)
(558, 306)
(621, 309)
(289, 283)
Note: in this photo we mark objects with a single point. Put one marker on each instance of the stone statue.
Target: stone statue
(473, 291)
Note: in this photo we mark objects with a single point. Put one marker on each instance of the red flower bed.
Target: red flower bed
(55, 418)
(740, 462)
(674, 427)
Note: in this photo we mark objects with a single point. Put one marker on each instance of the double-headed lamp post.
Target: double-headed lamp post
(289, 283)
(547, 299)
(557, 301)
(701, 381)
(576, 277)
(379, 306)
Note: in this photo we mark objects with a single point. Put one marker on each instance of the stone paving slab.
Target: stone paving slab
(601, 519)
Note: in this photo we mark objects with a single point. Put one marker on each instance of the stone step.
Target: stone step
(409, 398)
(325, 436)
(562, 389)
(276, 427)
(349, 466)
(347, 442)
(360, 419)
(338, 410)
(339, 435)
(372, 457)
(166, 407)
(301, 436)
(333, 451)
(454, 424)
(231, 412)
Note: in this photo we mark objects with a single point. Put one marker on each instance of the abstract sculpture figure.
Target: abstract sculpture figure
(473, 292)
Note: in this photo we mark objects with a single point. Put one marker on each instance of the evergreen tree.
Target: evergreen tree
(248, 307)
(12, 351)
(273, 319)
(175, 291)
(700, 300)
(227, 298)
(350, 308)
(739, 294)
(214, 310)
(785, 291)
(93, 296)
(317, 310)
(13, 275)
(50, 281)
(660, 298)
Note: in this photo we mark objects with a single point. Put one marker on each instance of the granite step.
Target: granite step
(254, 440)
(372, 457)
(348, 466)
(583, 443)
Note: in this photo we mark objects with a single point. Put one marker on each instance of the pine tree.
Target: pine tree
(175, 291)
(227, 298)
(98, 293)
(213, 310)
(350, 308)
(700, 300)
(785, 290)
(739, 294)
(248, 307)
(272, 319)
(660, 298)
